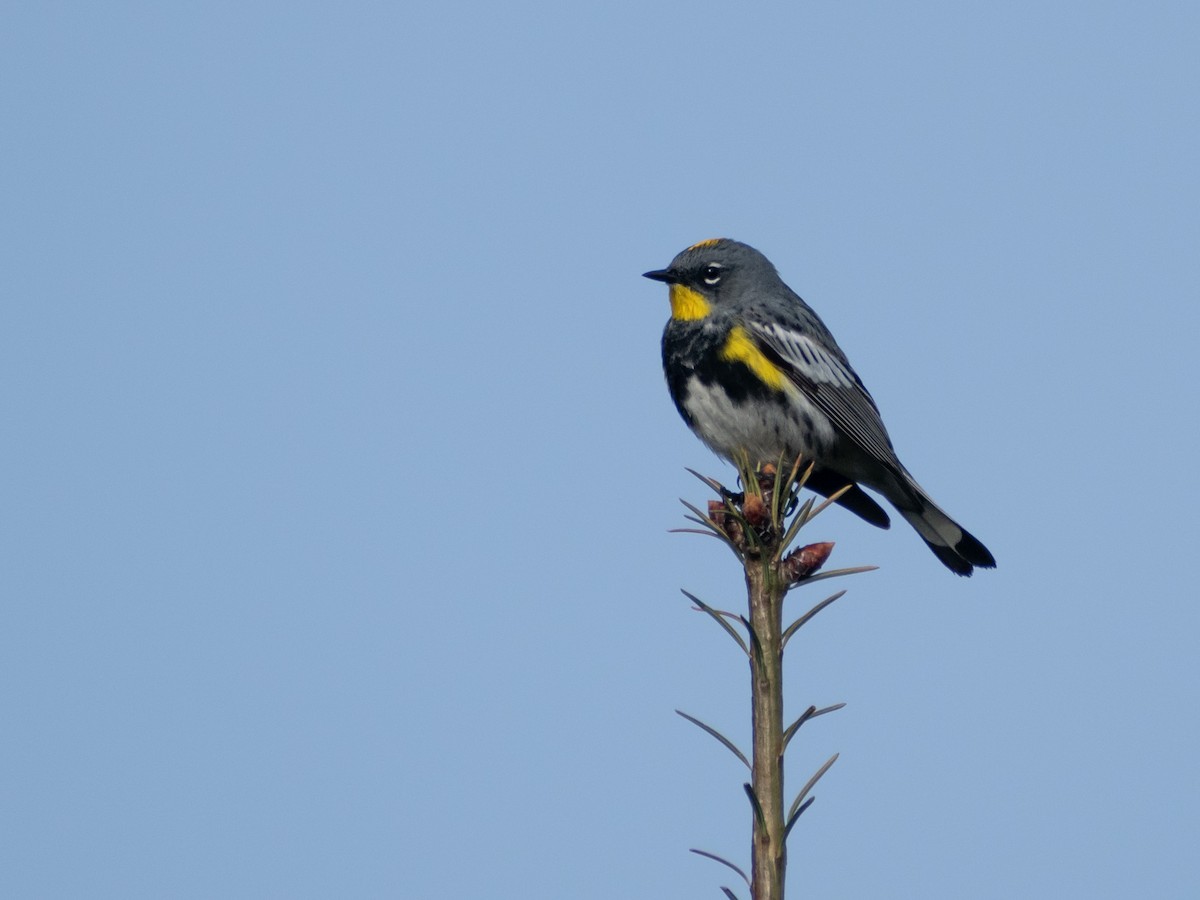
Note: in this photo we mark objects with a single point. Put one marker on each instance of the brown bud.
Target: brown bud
(766, 479)
(717, 512)
(755, 511)
(802, 562)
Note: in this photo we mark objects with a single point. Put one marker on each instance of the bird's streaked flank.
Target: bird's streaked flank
(753, 370)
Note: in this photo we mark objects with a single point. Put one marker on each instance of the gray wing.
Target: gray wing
(825, 378)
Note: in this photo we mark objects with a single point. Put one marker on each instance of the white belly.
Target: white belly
(764, 428)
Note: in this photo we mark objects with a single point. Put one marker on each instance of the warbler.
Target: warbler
(752, 369)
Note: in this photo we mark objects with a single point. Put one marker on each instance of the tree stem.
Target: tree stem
(768, 849)
(759, 525)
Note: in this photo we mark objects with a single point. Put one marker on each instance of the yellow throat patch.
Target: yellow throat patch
(687, 304)
(739, 347)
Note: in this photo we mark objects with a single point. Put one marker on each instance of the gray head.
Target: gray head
(717, 270)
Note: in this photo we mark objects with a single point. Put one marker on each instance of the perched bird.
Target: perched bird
(752, 369)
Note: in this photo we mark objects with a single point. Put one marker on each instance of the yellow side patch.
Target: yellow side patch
(740, 348)
(711, 242)
(688, 304)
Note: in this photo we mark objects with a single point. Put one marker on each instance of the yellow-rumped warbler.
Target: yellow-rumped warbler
(752, 369)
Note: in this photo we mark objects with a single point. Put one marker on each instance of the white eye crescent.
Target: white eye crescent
(712, 274)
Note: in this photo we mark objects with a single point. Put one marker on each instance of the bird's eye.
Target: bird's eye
(712, 274)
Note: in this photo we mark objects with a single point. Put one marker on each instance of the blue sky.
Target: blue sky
(339, 464)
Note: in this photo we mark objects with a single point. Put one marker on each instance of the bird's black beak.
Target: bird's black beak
(664, 275)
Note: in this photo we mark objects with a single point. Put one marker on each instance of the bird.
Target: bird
(753, 371)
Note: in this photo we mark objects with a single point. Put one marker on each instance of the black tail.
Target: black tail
(959, 550)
